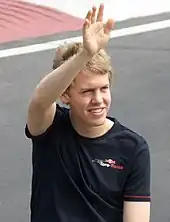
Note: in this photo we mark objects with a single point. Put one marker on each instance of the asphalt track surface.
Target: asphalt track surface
(141, 101)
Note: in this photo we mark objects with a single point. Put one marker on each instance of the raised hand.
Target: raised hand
(96, 34)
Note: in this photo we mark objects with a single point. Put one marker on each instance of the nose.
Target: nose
(97, 97)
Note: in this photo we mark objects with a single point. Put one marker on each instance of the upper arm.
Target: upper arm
(136, 211)
(39, 119)
(137, 188)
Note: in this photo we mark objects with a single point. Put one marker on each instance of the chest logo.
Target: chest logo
(108, 163)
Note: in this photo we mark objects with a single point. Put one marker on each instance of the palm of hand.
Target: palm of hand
(95, 38)
(96, 34)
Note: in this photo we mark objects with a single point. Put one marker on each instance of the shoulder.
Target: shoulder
(61, 119)
(129, 139)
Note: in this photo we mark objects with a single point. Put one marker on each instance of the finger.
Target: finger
(109, 26)
(86, 24)
(100, 13)
(89, 15)
(93, 16)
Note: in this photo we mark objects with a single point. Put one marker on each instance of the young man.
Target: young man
(86, 165)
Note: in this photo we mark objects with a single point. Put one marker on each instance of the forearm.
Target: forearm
(55, 83)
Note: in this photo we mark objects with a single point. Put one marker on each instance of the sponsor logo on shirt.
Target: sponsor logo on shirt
(109, 163)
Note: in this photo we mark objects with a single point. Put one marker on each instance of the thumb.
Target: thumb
(109, 26)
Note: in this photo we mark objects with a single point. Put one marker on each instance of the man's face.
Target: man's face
(89, 98)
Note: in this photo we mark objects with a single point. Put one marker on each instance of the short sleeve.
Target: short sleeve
(61, 112)
(137, 187)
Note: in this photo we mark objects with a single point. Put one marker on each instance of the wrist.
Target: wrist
(86, 54)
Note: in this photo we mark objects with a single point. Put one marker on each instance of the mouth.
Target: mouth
(97, 111)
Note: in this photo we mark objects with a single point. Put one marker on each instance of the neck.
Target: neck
(91, 131)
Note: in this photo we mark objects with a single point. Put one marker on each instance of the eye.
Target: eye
(87, 91)
(105, 87)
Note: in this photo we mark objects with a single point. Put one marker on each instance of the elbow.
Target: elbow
(37, 102)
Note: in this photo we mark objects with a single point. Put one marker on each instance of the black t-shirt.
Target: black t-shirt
(78, 179)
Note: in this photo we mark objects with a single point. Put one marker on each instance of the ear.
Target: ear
(65, 98)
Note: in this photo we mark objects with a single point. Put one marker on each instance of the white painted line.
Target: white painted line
(114, 34)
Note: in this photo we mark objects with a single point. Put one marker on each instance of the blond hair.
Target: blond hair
(99, 64)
